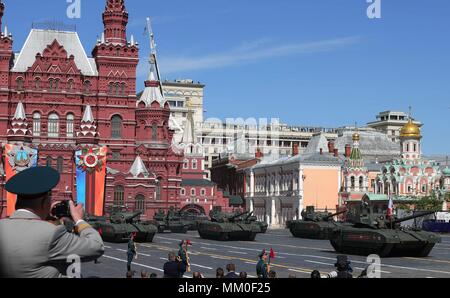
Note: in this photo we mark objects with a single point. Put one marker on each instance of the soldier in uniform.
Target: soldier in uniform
(131, 252)
(31, 246)
(262, 268)
(183, 257)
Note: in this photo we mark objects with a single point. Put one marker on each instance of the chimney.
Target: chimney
(295, 150)
(331, 147)
(348, 150)
(336, 152)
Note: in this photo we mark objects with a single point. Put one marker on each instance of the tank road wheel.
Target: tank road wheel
(224, 237)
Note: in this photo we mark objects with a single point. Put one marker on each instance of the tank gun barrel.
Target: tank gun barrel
(335, 214)
(421, 214)
(238, 215)
(133, 215)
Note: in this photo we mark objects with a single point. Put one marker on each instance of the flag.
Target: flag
(91, 179)
(17, 158)
(390, 210)
(272, 253)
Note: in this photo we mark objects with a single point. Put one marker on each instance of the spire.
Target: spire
(19, 130)
(138, 168)
(355, 159)
(189, 130)
(115, 20)
(88, 130)
(153, 88)
(88, 117)
(20, 112)
(2, 12)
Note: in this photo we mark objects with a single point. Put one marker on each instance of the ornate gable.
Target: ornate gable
(54, 60)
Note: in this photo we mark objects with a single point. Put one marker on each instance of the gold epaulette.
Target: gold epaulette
(81, 227)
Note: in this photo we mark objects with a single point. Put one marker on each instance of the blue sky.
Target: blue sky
(307, 62)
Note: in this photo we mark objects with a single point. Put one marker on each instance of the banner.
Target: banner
(91, 179)
(17, 159)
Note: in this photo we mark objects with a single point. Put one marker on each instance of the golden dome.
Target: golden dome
(410, 130)
(356, 137)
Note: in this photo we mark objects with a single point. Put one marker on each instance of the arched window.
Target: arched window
(87, 87)
(51, 84)
(119, 195)
(183, 191)
(203, 192)
(194, 164)
(53, 125)
(186, 164)
(37, 84)
(158, 190)
(110, 88)
(122, 88)
(70, 85)
(193, 192)
(352, 182)
(116, 127)
(20, 84)
(49, 161)
(37, 124)
(154, 132)
(60, 164)
(70, 125)
(117, 88)
(361, 183)
(140, 203)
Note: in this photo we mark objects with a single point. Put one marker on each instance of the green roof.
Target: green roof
(376, 197)
(197, 182)
(236, 200)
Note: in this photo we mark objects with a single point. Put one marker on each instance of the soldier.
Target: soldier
(31, 246)
(131, 252)
(343, 268)
(183, 257)
(262, 268)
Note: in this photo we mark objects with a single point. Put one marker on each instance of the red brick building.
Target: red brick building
(56, 99)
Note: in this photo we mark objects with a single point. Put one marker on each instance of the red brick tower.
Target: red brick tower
(6, 55)
(116, 61)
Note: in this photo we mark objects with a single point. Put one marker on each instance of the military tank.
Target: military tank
(228, 227)
(192, 219)
(251, 218)
(314, 225)
(120, 225)
(370, 232)
(169, 222)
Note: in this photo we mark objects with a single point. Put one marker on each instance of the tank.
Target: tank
(370, 232)
(192, 219)
(170, 222)
(228, 227)
(314, 225)
(120, 225)
(251, 218)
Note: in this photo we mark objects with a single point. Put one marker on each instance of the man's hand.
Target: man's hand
(77, 212)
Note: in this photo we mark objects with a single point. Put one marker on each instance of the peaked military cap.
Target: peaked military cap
(262, 254)
(33, 182)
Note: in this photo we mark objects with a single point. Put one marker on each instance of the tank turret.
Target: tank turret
(372, 231)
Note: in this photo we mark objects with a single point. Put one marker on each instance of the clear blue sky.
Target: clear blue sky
(307, 62)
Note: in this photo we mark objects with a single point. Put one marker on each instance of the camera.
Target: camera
(61, 210)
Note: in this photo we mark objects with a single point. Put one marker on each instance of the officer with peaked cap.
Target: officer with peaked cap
(262, 269)
(30, 246)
